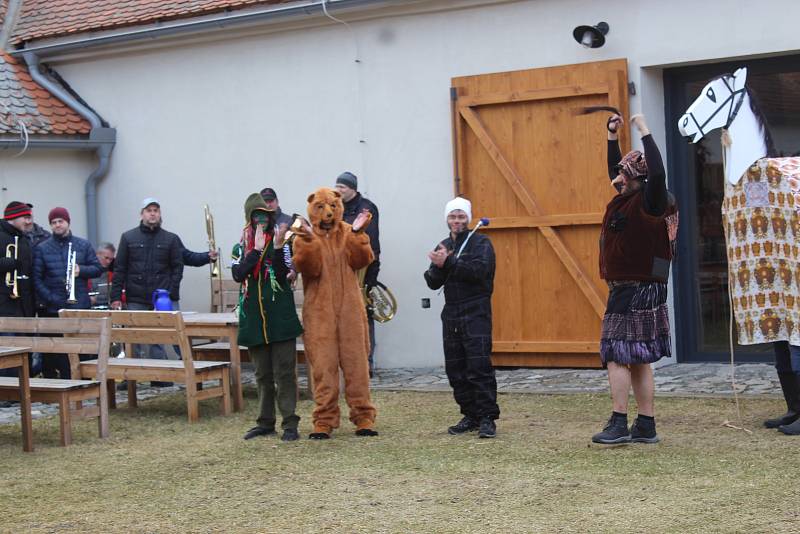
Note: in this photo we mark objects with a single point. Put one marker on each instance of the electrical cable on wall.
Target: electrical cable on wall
(23, 129)
(363, 174)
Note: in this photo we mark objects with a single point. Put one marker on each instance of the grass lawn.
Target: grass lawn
(157, 473)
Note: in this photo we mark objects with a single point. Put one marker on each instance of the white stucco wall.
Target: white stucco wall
(46, 179)
(212, 122)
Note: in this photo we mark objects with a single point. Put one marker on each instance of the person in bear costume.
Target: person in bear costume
(328, 253)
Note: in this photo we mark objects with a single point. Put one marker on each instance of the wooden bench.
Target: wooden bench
(81, 336)
(149, 328)
(225, 298)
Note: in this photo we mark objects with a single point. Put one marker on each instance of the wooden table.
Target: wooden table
(220, 326)
(11, 357)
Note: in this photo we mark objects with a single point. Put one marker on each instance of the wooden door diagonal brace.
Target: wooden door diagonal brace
(527, 199)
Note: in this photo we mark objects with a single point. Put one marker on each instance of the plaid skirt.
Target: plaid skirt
(636, 323)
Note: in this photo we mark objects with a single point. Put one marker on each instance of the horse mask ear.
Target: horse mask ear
(739, 78)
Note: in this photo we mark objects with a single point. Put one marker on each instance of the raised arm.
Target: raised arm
(614, 154)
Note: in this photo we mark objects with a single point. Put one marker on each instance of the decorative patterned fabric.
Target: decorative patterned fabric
(636, 323)
(633, 165)
(761, 230)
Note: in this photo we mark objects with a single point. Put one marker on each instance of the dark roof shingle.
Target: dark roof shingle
(22, 99)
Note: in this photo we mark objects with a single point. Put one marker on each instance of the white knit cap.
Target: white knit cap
(459, 203)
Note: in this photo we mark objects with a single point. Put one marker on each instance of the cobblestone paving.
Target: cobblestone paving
(680, 379)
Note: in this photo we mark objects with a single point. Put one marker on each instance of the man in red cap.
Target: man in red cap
(50, 260)
(16, 266)
(16, 299)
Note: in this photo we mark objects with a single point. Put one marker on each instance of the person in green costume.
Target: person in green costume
(268, 323)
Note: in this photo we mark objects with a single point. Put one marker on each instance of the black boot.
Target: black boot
(615, 431)
(791, 393)
(644, 431)
(791, 430)
(467, 424)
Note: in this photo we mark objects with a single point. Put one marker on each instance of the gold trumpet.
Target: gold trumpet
(12, 277)
(212, 242)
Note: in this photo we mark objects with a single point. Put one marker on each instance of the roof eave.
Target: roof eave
(184, 27)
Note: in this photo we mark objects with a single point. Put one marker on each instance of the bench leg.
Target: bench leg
(226, 391)
(65, 417)
(133, 402)
(102, 406)
(192, 404)
(111, 387)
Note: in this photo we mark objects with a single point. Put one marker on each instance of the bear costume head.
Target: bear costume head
(325, 208)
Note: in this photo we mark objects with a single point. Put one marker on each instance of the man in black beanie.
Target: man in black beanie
(354, 203)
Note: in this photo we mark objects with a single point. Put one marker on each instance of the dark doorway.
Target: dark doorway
(695, 170)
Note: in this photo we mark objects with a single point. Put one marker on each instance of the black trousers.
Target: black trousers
(467, 335)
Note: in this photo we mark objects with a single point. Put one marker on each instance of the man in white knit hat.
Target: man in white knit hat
(464, 264)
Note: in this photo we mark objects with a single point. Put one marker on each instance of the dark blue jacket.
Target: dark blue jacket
(469, 277)
(50, 271)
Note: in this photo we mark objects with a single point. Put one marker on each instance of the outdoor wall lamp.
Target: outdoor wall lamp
(591, 36)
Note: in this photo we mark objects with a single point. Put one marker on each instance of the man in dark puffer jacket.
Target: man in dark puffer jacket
(49, 279)
(148, 258)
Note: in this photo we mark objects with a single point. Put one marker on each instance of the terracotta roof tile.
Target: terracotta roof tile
(22, 99)
(54, 18)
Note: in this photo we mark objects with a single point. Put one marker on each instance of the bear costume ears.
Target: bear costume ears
(314, 194)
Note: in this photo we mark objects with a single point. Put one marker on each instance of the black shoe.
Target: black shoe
(467, 424)
(157, 384)
(644, 431)
(290, 434)
(615, 431)
(319, 435)
(366, 432)
(487, 428)
(791, 430)
(259, 431)
(786, 419)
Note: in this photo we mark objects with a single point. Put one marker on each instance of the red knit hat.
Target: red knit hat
(15, 210)
(58, 213)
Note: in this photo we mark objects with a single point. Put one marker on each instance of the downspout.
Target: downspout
(106, 137)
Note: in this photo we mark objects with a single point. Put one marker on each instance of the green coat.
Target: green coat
(265, 315)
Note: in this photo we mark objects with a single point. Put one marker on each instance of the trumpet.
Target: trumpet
(12, 277)
(71, 263)
(212, 242)
(294, 228)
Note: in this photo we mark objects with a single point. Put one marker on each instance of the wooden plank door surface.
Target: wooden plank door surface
(538, 171)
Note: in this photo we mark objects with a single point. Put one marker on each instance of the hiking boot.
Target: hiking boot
(791, 394)
(290, 434)
(615, 431)
(644, 431)
(259, 431)
(467, 424)
(792, 429)
(487, 428)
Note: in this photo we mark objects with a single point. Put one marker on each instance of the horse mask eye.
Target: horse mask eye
(710, 94)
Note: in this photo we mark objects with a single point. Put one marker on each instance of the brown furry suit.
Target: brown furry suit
(334, 319)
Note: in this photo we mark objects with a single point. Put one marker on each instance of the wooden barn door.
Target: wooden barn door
(538, 171)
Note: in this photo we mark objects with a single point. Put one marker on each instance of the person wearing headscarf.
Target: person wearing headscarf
(464, 265)
(268, 323)
(636, 248)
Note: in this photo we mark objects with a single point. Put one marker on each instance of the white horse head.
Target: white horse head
(725, 103)
(716, 107)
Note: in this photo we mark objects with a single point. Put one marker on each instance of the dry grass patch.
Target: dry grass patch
(159, 474)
